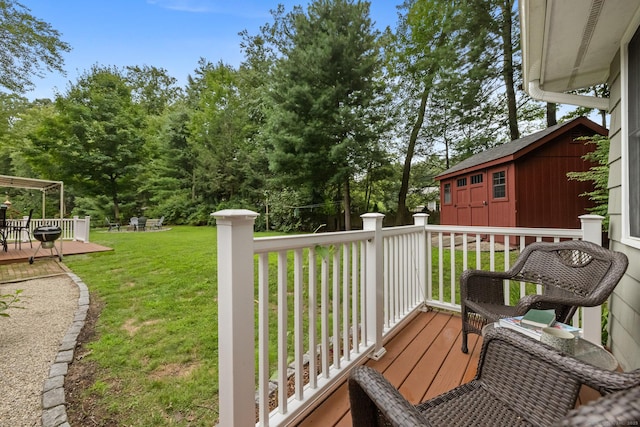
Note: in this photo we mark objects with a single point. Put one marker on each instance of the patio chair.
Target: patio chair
(111, 225)
(18, 231)
(615, 409)
(572, 274)
(158, 225)
(3, 227)
(519, 381)
(142, 223)
(133, 223)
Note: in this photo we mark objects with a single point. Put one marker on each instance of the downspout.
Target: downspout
(536, 92)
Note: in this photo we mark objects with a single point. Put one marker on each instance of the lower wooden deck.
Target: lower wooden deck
(423, 360)
(21, 252)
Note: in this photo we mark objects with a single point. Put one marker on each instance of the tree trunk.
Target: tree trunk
(401, 217)
(551, 114)
(347, 205)
(603, 116)
(507, 70)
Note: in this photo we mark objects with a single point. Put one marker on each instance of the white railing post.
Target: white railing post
(592, 316)
(374, 291)
(236, 329)
(87, 228)
(421, 219)
(74, 233)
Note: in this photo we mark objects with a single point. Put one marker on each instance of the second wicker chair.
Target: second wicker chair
(519, 381)
(572, 274)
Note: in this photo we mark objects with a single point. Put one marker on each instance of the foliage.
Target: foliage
(8, 301)
(598, 174)
(325, 116)
(93, 139)
(28, 47)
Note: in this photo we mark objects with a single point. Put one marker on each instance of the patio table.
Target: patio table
(586, 351)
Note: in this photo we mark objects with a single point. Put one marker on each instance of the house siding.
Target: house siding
(624, 304)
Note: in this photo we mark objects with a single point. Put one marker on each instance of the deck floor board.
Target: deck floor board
(422, 360)
(424, 356)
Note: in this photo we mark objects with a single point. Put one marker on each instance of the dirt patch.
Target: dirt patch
(82, 409)
(174, 370)
(131, 327)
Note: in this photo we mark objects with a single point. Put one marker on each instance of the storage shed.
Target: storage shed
(522, 183)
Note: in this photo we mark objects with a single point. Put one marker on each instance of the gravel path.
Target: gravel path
(29, 342)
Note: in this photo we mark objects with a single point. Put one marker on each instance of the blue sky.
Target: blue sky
(169, 34)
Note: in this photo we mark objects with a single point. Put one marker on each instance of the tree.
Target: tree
(325, 117)
(28, 47)
(598, 174)
(506, 30)
(95, 138)
(443, 56)
(153, 88)
(217, 131)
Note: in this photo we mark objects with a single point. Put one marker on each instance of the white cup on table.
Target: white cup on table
(559, 339)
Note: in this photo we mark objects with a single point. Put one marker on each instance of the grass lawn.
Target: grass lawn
(156, 349)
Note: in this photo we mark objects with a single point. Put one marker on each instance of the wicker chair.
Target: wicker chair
(572, 273)
(519, 381)
(616, 409)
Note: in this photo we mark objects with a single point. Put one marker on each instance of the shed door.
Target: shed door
(463, 211)
(479, 200)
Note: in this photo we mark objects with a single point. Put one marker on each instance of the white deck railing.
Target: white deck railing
(75, 228)
(324, 302)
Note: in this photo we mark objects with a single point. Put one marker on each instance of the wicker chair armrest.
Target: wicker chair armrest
(481, 285)
(371, 395)
(542, 301)
(599, 379)
(617, 409)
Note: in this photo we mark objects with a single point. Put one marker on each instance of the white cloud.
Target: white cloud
(195, 6)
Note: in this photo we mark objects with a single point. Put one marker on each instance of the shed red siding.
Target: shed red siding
(546, 197)
(537, 191)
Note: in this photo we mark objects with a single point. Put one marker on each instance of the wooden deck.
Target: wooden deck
(423, 360)
(23, 252)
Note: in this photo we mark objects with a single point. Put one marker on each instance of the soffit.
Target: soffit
(569, 44)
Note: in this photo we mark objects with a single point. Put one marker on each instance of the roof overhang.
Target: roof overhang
(43, 185)
(29, 183)
(569, 44)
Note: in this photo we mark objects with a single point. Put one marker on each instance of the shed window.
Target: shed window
(633, 160)
(476, 179)
(447, 194)
(461, 182)
(499, 185)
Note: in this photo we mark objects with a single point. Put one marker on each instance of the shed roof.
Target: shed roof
(516, 148)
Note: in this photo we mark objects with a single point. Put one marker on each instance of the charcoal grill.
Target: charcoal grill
(47, 236)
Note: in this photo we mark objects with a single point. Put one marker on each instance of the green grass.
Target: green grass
(157, 334)
(485, 260)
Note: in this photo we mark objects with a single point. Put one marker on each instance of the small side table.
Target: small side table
(586, 351)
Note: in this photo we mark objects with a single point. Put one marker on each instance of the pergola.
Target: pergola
(35, 184)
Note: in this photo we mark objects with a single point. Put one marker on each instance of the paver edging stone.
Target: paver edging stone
(54, 411)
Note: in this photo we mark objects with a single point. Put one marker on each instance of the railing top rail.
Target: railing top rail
(284, 243)
(398, 231)
(512, 231)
